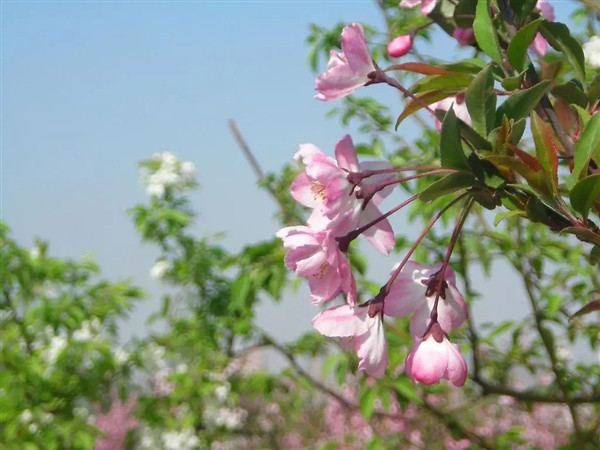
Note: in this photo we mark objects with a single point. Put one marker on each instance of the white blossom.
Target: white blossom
(87, 331)
(25, 416)
(222, 392)
(180, 440)
(591, 50)
(57, 344)
(121, 356)
(171, 174)
(160, 268)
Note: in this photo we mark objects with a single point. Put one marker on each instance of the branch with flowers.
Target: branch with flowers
(530, 83)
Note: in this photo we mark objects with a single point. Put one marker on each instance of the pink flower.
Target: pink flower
(464, 36)
(457, 103)
(539, 44)
(434, 358)
(546, 9)
(400, 46)
(324, 186)
(316, 256)
(346, 71)
(408, 295)
(359, 332)
(426, 5)
(115, 424)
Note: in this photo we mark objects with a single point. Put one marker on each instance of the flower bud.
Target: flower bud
(400, 46)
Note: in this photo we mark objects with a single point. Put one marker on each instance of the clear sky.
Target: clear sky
(91, 88)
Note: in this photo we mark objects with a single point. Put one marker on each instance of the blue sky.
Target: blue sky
(91, 88)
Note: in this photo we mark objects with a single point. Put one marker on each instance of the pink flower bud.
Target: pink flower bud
(431, 359)
(400, 46)
(464, 36)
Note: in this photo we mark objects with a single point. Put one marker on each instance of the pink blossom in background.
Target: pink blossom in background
(426, 5)
(358, 332)
(539, 44)
(400, 46)
(346, 71)
(458, 104)
(431, 360)
(316, 256)
(464, 36)
(408, 296)
(546, 9)
(115, 424)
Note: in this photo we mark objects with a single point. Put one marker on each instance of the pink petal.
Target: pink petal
(539, 45)
(325, 286)
(305, 191)
(356, 50)
(338, 82)
(427, 361)
(341, 321)
(372, 349)
(427, 6)
(456, 371)
(345, 155)
(380, 235)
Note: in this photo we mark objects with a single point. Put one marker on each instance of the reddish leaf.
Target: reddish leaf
(594, 305)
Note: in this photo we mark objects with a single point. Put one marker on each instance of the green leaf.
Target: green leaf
(583, 233)
(367, 402)
(521, 103)
(453, 80)
(481, 101)
(595, 256)
(452, 153)
(558, 36)
(407, 390)
(572, 93)
(469, 65)
(585, 193)
(485, 32)
(474, 138)
(587, 147)
(507, 215)
(513, 83)
(450, 183)
(517, 49)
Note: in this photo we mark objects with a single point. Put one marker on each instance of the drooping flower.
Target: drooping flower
(458, 104)
(324, 186)
(316, 256)
(358, 331)
(464, 36)
(426, 5)
(434, 358)
(591, 50)
(400, 46)
(410, 294)
(346, 71)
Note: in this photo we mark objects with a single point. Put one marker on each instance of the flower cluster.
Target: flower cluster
(344, 195)
(166, 172)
